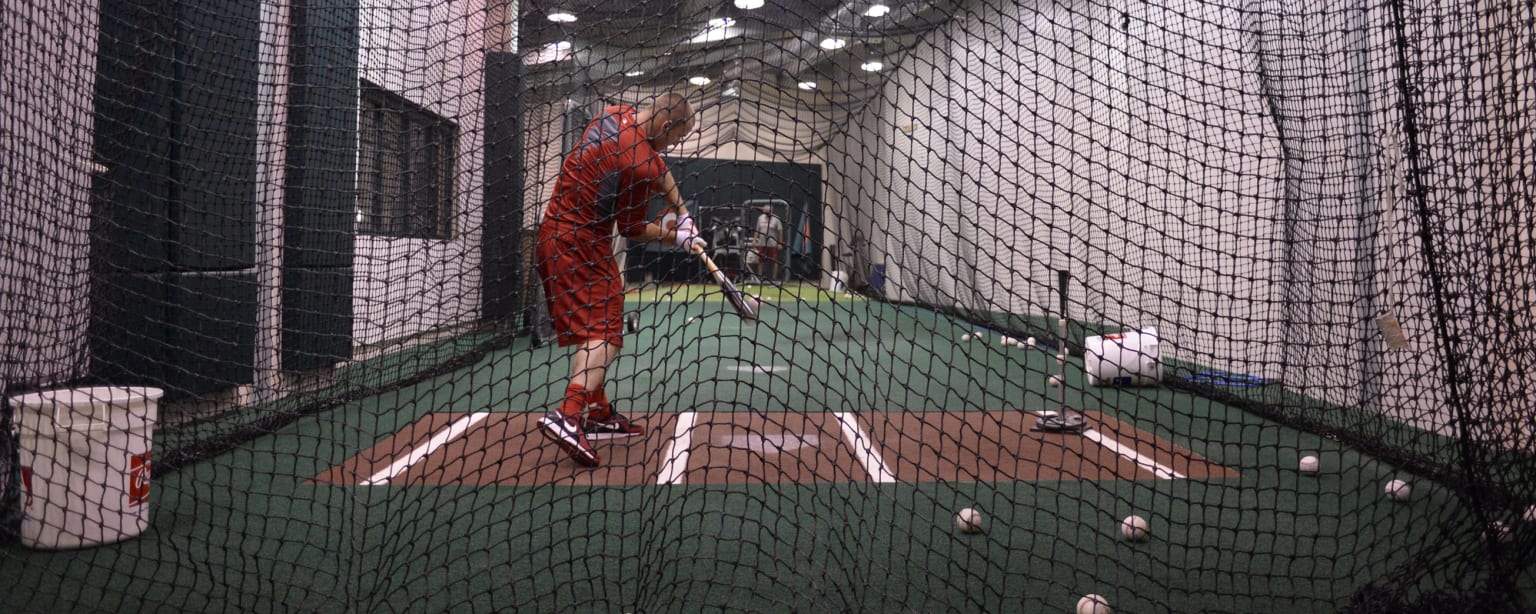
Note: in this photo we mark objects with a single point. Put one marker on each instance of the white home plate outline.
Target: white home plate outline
(1163, 472)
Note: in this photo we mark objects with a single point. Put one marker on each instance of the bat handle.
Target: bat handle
(709, 263)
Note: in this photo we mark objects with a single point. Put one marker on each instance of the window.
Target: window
(405, 168)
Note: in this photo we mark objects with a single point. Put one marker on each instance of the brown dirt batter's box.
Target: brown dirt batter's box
(746, 448)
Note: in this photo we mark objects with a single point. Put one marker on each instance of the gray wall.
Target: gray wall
(45, 176)
(1140, 147)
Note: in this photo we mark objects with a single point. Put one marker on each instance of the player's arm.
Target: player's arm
(667, 187)
(686, 238)
(653, 232)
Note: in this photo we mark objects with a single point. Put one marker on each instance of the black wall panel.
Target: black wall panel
(319, 207)
(320, 202)
(501, 245)
(173, 215)
(317, 317)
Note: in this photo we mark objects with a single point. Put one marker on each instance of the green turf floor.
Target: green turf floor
(244, 531)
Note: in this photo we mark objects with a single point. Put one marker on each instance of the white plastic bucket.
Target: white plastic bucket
(85, 464)
(838, 283)
(1130, 358)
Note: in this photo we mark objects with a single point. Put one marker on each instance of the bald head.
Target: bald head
(667, 120)
(671, 105)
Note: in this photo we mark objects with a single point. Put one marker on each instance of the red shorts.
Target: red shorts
(768, 254)
(582, 288)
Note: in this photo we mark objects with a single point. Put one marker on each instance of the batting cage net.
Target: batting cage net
(768, 305)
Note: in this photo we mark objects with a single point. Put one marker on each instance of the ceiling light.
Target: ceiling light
(718, 29)
(699, 80)
(833, 43)
(552, 52)
(747, 5)
(807, 85)
(877, 10)
(872, 66)
(634, 73)
(561, 17)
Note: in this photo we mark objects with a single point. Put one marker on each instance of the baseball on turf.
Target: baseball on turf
(1093, 604)
(1134, 528)
(968, 521)
(1054, 380)
(1399, 490)
(1030, 342)
(1309, 464)
(965, 337)
(1021, 345)
(1005, 340)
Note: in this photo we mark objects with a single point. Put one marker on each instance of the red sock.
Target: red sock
(575, 401)
(599, 398)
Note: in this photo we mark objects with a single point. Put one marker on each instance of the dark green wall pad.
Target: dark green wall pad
(501, 244)
(317, 317)
(176, 130)
(134, 94)
(213, 225)
(173, 216)
(320, 201)
(189, 333)
(128, 336)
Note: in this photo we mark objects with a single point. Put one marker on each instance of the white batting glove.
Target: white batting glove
(688, 238)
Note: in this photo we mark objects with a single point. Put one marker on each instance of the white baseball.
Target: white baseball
(1134, 528)
(1093, 604)
(1309, 465)
(968, 521)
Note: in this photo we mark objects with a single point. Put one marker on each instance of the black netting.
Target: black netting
(308, 304)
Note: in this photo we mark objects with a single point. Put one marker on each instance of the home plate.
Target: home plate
(763, 444)
(758, 368)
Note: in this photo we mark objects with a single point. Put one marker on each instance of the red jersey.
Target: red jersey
(609, 177)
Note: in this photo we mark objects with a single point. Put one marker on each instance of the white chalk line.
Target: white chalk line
(863, 449)
(438, 440)
(677, 450)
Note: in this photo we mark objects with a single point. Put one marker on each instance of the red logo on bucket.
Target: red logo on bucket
(26, 485)
(138, 479)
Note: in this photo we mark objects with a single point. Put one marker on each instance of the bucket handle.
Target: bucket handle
(88, 425)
